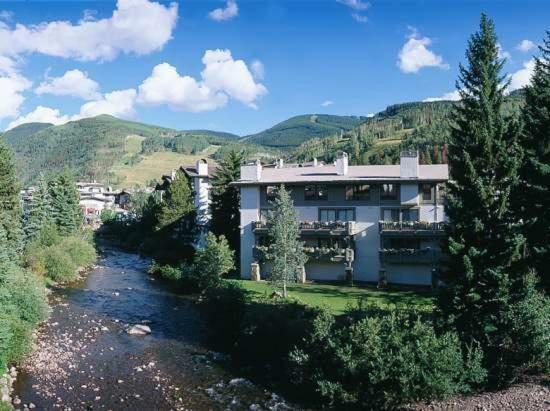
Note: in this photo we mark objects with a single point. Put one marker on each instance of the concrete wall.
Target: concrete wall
(250, 211)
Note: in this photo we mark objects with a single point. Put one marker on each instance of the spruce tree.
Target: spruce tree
(483, 242)
(226, 200)
(65, 202)
(10, 205)
(533, 194)
(40, 208)
(286, 252)
(177, 205)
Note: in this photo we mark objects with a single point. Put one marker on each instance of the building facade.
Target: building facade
(381, 223)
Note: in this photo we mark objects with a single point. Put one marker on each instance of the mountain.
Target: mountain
(25, 130)
(294, 131)
(422, 126)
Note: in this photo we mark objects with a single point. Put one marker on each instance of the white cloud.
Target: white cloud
(415, 55)
(359, 17)
(136, 26)
(230, 11)
(358, 6)
(525, 45)
(370, 115)
(6, 15)
(118, 103)
(258, 69)
(522, 77)
(450, 96)
(40, 114)
(73, 83)
(355, 4)
(11, 87)
(327, 103)
(222, 78)
(503, 54)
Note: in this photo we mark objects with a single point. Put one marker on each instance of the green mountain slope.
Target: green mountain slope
(294, 131)
(25, 130)
(423, 126)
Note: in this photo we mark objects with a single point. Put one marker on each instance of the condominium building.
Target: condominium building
(378, 223)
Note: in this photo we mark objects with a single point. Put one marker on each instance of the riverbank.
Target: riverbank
(85, 359)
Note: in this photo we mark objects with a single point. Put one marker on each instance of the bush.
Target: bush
(47, 236)
(81, 252)
(166, 271)
(59, 265)
(383, 361)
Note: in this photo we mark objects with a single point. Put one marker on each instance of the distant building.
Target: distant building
(384, 223)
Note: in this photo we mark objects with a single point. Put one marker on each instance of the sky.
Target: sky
(241, 66)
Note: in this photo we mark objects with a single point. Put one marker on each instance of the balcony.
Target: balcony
(323, 254)
(412, 228)
(410, 256)
(314, 228)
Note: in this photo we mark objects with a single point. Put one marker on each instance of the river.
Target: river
(85, 360)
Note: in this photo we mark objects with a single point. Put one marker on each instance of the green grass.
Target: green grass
(338, 297)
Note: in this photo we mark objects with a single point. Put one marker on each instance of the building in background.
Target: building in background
(384, 223)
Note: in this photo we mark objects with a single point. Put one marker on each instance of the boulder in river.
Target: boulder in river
(139, 329)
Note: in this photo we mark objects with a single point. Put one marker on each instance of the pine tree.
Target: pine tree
(40, 208)
(533, 195)
(225, 201)
(286, 252)
(177, 204)
(483, 242)
(65, 202)
(10, 206)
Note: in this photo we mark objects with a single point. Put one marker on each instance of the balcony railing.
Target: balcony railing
(314, 227)
(412, 227)
(314, 253)
(410, 256)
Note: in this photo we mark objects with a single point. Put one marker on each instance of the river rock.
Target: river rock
(139, 329)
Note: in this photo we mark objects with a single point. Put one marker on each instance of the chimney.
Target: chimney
(315, 162)
(251, 171)
(342, 163)
(280, 163)
(173, 174)
(409, 164)
(202, 167)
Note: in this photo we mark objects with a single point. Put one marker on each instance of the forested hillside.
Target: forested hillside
(422, 126)
(92, 147)
(294, 131)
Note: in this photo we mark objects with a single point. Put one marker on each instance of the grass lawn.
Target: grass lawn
(338, 297)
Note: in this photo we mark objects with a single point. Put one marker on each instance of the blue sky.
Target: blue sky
(246, 66)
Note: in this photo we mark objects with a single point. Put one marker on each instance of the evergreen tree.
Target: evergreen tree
(212, 262)
(226, 200)
(65, 202)
(10, 205)
(40, 208)
(483, 242)
(286, 252)
(177, 204)
(533, 195)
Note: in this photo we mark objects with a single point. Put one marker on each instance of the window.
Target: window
(427, 192)
(270, 192)
(358, 192)
(409, 214)
(316, 192)
(391, 214)
(330, 242)
(388, 192)
(264, 213)
(337, 214)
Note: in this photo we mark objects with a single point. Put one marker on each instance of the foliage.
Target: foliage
(81, 251)
(166, 271)
(108, 215)
(40, 208)
(484, 243)
(383, 361)
(225, 201)
(177, 204)
(286, 251)
(210, 263)
(10, 209)
(294, 131)
(65, 202)
(58, 264)
(533, 194)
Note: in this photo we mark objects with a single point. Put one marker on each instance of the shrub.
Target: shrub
(166, 271)
(59, 264)
(210, 263)
(81, 252)
(47, 236)
(383, 361)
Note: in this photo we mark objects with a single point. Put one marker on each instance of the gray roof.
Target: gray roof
(327, 174)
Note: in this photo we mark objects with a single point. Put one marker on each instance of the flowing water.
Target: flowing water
(85, 360)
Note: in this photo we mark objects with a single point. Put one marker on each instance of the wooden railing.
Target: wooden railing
(412, 226)
(314, 253)
(320, 227)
